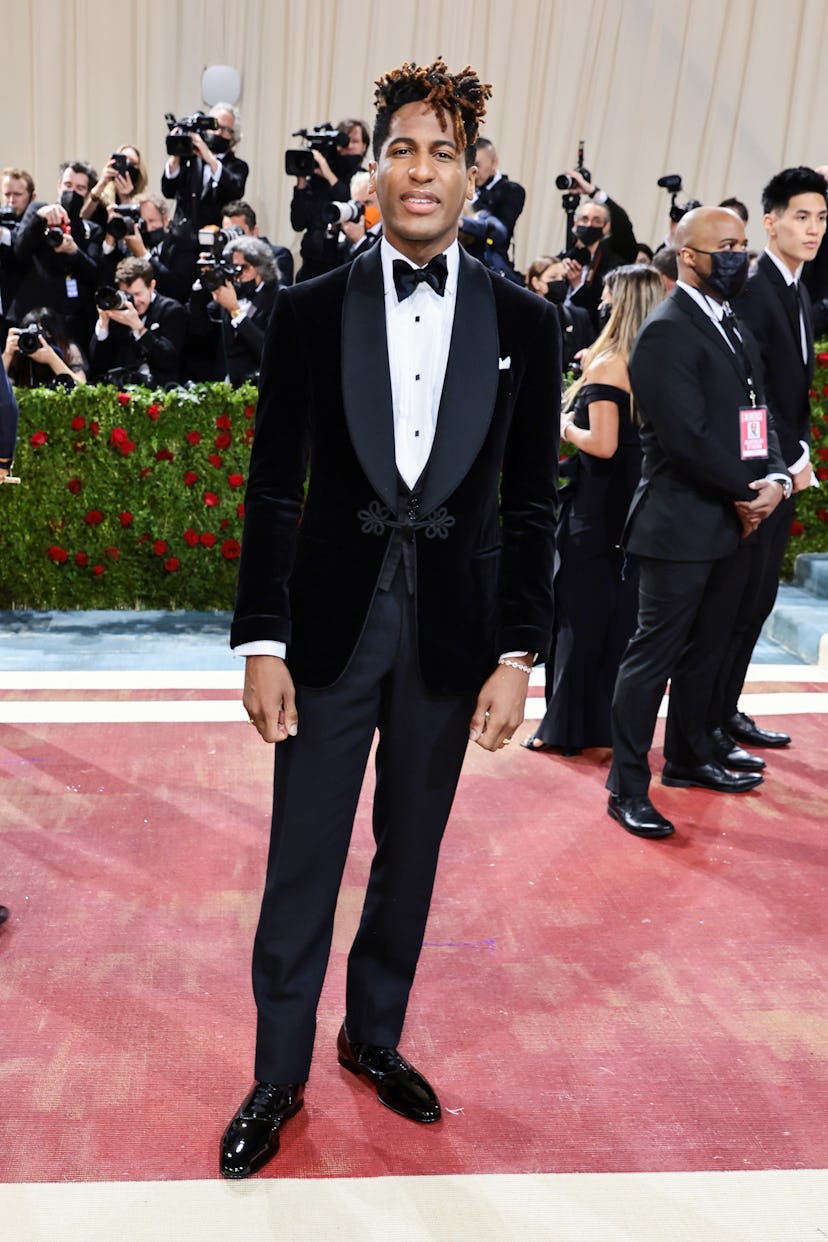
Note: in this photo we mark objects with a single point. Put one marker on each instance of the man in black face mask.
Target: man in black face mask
(57, 253)
(233, 319)
(712, 471)
(212, 176)
(604, 240)
(173, 251)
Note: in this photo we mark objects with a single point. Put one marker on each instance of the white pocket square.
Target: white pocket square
(503, 364)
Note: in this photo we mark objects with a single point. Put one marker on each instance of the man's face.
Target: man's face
(15, 194)
(709, 229)
(486, 164)
(421, 182)
(356, 142)
(593, 215)
(71, 180)
(241, 222)
(141, 293)
(248, 271)
(226, 126)
(795, 233)
(152, 217)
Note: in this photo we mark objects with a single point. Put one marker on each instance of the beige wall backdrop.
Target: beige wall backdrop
(725, 92)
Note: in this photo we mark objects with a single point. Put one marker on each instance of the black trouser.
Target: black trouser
(318, 777)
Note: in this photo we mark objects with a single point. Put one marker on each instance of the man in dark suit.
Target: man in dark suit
(420, 387)
(144, 337)
(708, 448)
(777, 309)
(604, 240)
(213, 175)
(230, 323)
(488, 225)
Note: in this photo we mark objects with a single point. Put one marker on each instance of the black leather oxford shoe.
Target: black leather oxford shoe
(746, 730)
(638, 815)
(732, 756)
(252, 1138)
(399, 1086)
(710, 776)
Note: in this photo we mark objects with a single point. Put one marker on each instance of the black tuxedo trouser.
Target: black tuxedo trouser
(766, 552)
(318, 777)
(686, 615)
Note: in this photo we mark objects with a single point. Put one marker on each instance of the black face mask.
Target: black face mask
(153, 237)
(246, 288)
(589, 233)
(71, 202)
(604, 312)
(556, 291)
(728, 271)
(218, 144)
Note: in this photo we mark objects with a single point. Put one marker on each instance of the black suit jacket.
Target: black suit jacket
(209, 202)
(688, 388)
(159, 348)
(483, 577)
(43, 273)
(767, 308)
(505, 200)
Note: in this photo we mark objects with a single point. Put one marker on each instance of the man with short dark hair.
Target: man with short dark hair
(17, 193)
(142, 339)
(421, 390)
(241, 214)
(488, 225)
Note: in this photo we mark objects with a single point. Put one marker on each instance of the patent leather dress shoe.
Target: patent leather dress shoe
(730, 755)
(746, 730)
(638, 815)
(710, 776)
(252, 1138)
(399, 1086)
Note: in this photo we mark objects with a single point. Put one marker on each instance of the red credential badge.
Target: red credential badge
(753, 431)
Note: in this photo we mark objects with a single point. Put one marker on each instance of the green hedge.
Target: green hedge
(130, 499)
(809, 532)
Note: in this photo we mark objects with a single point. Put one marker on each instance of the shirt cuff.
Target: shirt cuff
(801, 461)
(236, 320)
(171, 175)
(261, 646)
(101, 331)
(600, 196)
(513, 655)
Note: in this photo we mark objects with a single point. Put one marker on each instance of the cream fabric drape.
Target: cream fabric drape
(725, 92)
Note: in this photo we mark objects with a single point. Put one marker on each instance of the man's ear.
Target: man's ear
(372, 177)
(471, 184)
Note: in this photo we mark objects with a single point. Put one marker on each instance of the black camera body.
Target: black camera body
(672, 183)
(124, 223)
(119, 159)
(564, 182)
(28, 342)
(54, 235)
(299, 161)
(213, 272)
(108, 298)
(181, 143)
(8, 218)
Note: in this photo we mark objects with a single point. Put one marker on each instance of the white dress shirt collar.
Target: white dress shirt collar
(388, 254)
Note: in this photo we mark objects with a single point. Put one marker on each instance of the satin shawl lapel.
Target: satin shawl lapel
(706, 325)
(366, 379)
(470, 386)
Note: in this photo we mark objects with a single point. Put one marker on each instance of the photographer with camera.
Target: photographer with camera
(203, 172)
(142, 230)
(242, 216)
(57, 254)
(123, 179)
(140, 333)
(360, 219)
(323, 171)
(488, 223)
(40, 354)
(232, 309)
(17, 192)
(603, 239)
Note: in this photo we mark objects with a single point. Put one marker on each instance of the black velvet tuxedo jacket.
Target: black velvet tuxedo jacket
(768, 309)
(483, 567)
(688, 387)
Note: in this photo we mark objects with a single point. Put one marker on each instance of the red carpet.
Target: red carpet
(586, 1001)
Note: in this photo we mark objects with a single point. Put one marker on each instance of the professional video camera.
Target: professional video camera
(108, 298)
(299, 161)
(672, 183)
(180, 137)
(343, 213)
(28, 341)
(124, 223)
(214, 270)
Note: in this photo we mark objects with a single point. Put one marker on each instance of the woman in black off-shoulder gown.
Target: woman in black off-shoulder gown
(596, 587)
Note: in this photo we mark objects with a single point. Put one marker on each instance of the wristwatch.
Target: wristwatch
(786, 483)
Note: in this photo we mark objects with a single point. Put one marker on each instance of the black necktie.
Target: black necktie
(406, 277)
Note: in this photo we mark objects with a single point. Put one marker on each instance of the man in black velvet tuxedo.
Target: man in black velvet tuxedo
(425, 394)
(711, 472)
(777, 309)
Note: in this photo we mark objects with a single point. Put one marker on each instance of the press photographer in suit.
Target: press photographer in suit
(604, 234)
(420, 573)
(212, 175)
(234, 316)
(140, 333)
(712, 471)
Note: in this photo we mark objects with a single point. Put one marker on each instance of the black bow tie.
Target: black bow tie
(406, 277)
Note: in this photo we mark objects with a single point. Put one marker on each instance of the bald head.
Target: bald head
(702, 234)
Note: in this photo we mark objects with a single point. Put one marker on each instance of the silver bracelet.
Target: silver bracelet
(524, 668)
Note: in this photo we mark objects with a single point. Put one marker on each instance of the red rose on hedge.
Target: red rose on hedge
(223, 440)
(171, 565)
(118, 435)
(94, 427)
(190, 477)
(207, 539)
(164, 455)
(230, 549)
(822, 454)
(822, 514)
(823, 358)
(153, 411)
(39, 437)
(822, 472)
(249, 411)
(125, 518)
(113, 553)
(210, 499)
(797, 528)
(81, 560)
(214, 460)
(190, 537)
(57, 554)
(124, 398)
(193, 437)
(97, 570)
(235, 480)
(240, 509)
(93, 517)
(74, 486)
(223, 422)
(160, 547)
(78, 422)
